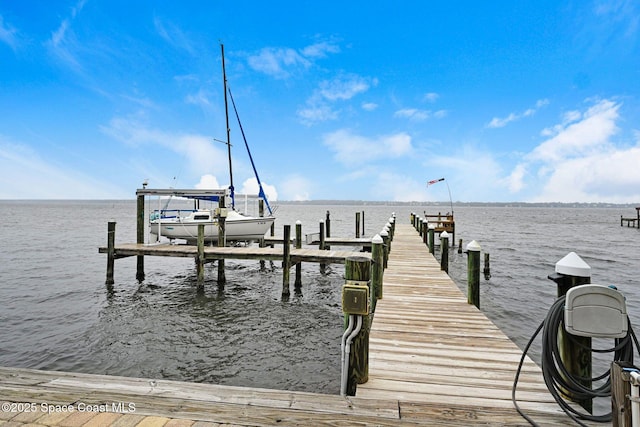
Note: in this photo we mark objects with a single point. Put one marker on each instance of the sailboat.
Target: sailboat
(239, 227)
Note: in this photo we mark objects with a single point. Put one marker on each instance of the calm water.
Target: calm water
(57, 314)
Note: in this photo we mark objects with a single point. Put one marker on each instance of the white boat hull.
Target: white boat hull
(237, 228)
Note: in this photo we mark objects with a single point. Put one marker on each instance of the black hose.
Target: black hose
(558, 380)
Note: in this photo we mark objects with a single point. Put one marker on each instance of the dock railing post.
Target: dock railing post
(444, 251)
(473, 273)
(286, 261)
(357, 224)
(432, 238)
(298, 281)
(377, 269)
(358, 269)
(200, 256)
(111, 241)
(620, 393)
(385, 246)
(140, 237)
(575, 351)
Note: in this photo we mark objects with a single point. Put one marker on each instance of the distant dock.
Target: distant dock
(631, 222)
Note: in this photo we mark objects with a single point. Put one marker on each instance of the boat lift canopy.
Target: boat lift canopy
(190, 193)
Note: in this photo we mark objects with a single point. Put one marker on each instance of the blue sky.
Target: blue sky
(507, 100)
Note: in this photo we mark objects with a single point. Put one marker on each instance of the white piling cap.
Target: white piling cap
(298, 222)
(384, 232)
(444, 235)
(432, 226)
(473, 246)
(573, 265)
(377, 239)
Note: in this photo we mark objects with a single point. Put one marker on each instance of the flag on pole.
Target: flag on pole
(434, 181)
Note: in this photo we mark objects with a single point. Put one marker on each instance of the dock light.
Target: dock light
(355, 297)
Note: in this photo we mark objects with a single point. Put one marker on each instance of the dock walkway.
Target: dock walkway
(441, 357)
(434, 360)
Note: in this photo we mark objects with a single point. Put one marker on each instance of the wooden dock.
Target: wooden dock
(434, 360)
(241, 252)
(439, 356)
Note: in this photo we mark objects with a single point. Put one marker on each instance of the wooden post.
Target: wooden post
(357, 224)
(620, 392)
(221, 241)
(200, 256)
(392, 228)
(362, 234)
(487, 267)
(111, 243)
(444, 251)
(298, 281)
(473, 273)
(327, 227)
(385, 247)
(140, 236)
(359, 269)
(575, 351)
(432, 238)
(460, 246)
(286, 261)
(377, 269)
(322, 246)
(425, 232)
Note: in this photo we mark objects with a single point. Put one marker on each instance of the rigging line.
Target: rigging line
(261, 192)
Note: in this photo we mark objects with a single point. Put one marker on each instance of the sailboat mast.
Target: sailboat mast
(226, 111)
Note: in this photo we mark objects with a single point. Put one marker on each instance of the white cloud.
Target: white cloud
(63, 43)
(203, 157)
(344, 87)
(413, 114)
(8, 34)
(173, 35)
(208, 182)
(431, 97)
(251, 187)
(351, 149)
(296, 187)
(591, 132)
(283, 62)
(25, 174)
(579, 162)
(369, 106)
(279, 63)
(497, 122)
(320, 105)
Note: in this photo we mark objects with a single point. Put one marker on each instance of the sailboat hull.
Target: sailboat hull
(237, 228)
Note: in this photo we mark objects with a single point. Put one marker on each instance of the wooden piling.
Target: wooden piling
(140, 236)
(460, 246)
(200, 256)
(444, 251)
(432, 238)
(298, 282)
(377, 269)
(575, 351)
(222, 280)
(473, 273)
(286, 260)
(487, 267)
(385, 246)
(359, 269)
(357, 225)
(620, 394)
(111, 243)
(322, 246)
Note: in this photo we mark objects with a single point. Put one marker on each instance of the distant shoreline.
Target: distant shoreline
(378, 203)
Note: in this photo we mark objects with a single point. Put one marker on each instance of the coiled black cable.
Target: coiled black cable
(558, 380)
